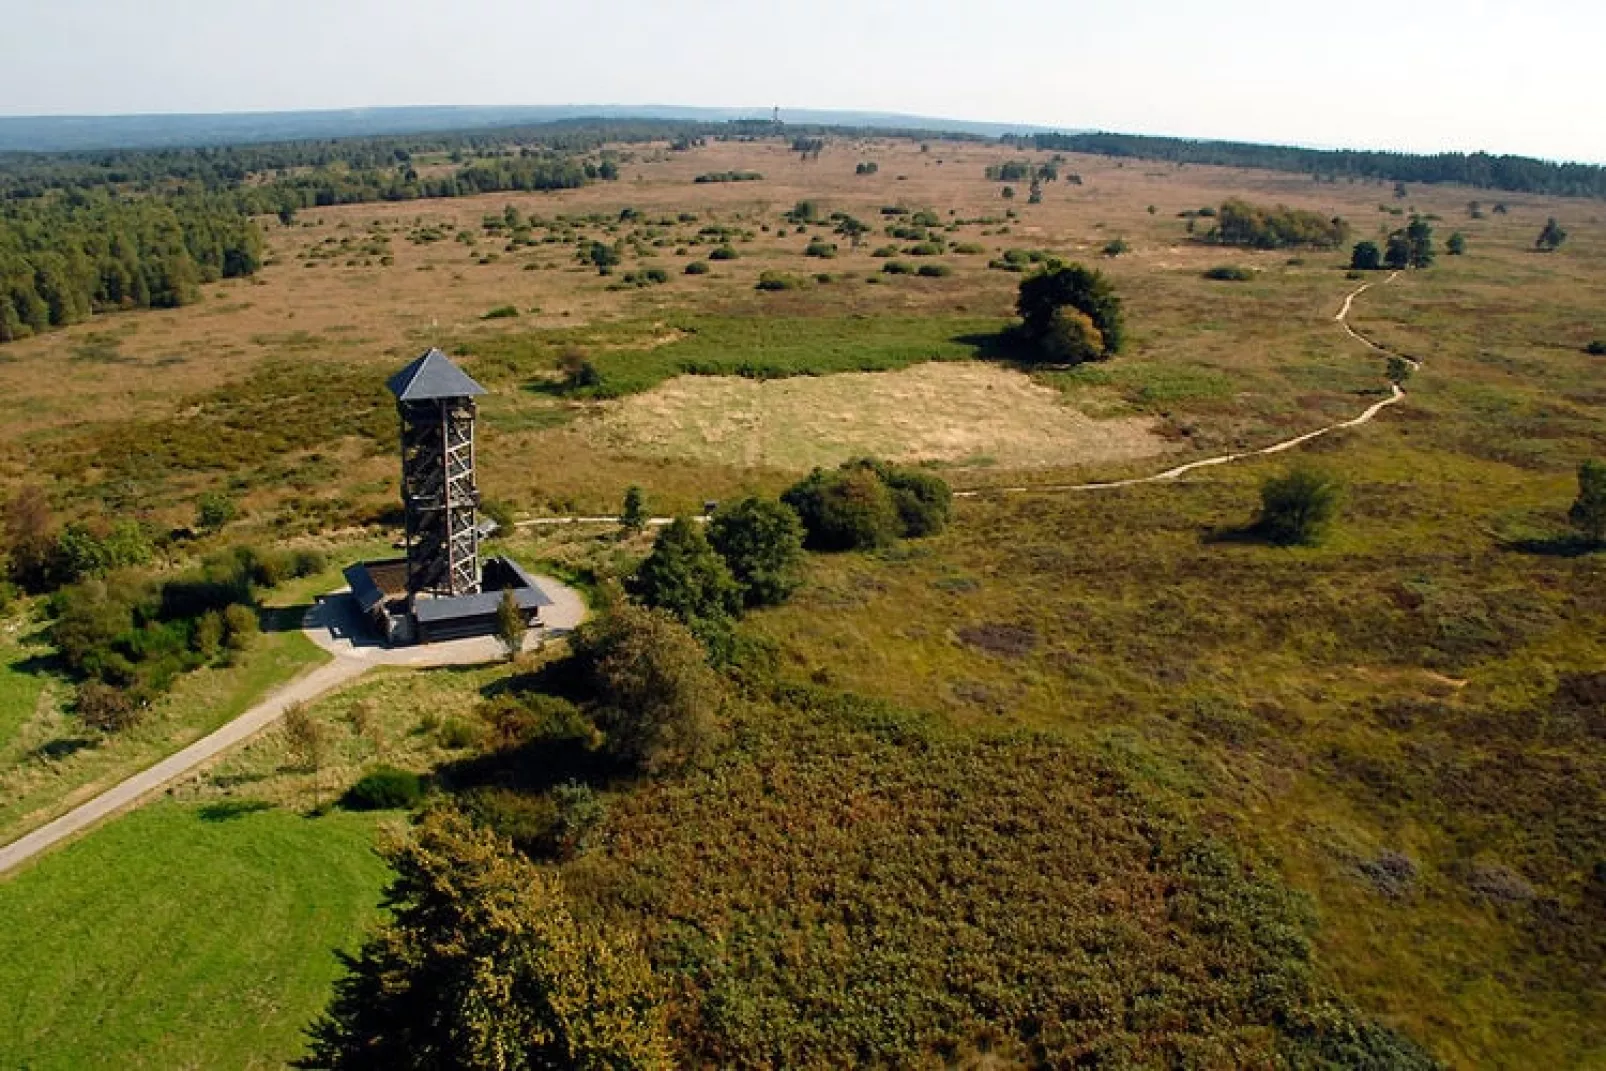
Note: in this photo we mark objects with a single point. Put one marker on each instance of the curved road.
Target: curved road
(336, 625)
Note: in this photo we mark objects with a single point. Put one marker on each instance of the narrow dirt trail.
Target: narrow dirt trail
(1365, 416)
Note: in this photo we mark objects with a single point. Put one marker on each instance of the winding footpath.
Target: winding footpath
(335, 624)
(1366, 415)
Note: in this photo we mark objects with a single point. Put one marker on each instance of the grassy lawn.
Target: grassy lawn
(180, 936)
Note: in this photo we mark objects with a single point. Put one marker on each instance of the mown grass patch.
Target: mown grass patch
(182, 936)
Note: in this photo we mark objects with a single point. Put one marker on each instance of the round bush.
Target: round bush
(384, 788)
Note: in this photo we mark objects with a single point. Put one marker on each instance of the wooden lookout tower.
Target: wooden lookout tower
(435, 400)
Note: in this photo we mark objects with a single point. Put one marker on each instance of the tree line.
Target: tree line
(1520, 174)
(66, 257)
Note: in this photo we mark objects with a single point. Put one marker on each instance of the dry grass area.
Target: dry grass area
(350, 285)
(968, 414)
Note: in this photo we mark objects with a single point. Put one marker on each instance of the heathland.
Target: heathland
(1060, 782)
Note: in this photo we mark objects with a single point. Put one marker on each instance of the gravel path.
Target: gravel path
(336, 625)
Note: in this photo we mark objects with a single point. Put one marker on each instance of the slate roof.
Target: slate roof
(485, 604)
(432, 376)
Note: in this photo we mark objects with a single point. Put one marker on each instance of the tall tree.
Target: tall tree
(685, 576)
(761, 541)
(1061, 286)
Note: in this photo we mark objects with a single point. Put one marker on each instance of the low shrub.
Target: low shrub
(1229, 273)
(935, 271)
(1597, 348)
(1115, 247)
(898, 267)
(776, 280)
(385, 788)
(819, 247)
(697, 267)
(724, 252)
(501, 312)
(1298, 506)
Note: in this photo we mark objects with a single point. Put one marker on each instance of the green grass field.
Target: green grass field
(179, 936)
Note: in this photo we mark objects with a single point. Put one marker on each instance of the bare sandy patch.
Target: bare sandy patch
(952, 412)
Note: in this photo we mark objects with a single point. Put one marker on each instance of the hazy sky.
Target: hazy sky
(1414, 74)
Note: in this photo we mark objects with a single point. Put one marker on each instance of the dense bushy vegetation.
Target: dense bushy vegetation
(761, 542)
(848, 884)
(868, 503)
(1518, 173)
(686, 577)
(1258, 227)
(483, 967)
(126, 636)
(384, 788)
(656, 701)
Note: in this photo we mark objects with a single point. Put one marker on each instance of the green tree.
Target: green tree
(1588, 512)
(1061, 286)
(685, 576)
(1366, 256)
(923, 500)
(761, 541)
(657, 700)
(1419, 236)
(1071, 337)
(844, 509)
(633, 513)
(1456, 244)
(1551, 237)
(1298, 506)
(1399, 370)
(510, 624)
(483, 967)
(28, 537)
(1397, 255)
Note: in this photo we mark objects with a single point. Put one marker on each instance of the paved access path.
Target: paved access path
(336, 625)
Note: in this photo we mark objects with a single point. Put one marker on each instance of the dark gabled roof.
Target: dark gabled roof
(485, 604)
(432, 376)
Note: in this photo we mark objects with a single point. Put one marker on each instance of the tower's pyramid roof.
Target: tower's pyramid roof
(432, 376)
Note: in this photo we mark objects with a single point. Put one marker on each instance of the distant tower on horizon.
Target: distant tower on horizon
(435, 400)
(776, 117)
